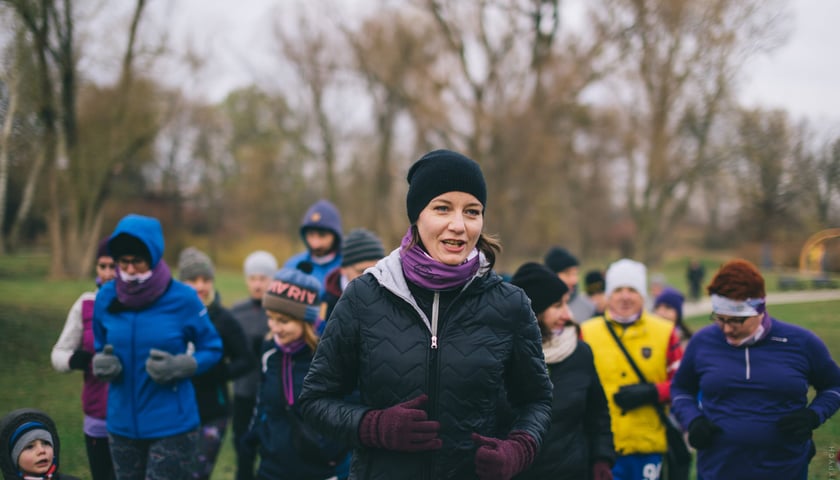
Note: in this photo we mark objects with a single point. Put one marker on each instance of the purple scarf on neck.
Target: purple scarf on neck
(421, 269)
(286, 368)
(138, 295)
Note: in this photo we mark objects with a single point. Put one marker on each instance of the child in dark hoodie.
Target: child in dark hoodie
(29, 446)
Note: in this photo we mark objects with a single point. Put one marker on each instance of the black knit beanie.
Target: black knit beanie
(559, 259)
(439, 172)
(541, 285)
(127, 244)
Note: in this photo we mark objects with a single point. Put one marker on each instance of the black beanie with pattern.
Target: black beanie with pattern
(439, 172)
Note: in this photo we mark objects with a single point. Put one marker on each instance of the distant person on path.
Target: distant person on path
(579, 445)
(211, 387)
(74, 351)
(320, 230)
(29, 446)
(653, 345)
(143, 322)
(432, 338)
(695, 274)
(754, 372)
(595, 286)
(259, 268)
(566, 267)
(361, 250)
(286, 452)
(669, 305)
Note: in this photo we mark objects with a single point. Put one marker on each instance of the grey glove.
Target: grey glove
(106, 365)
(164, 367)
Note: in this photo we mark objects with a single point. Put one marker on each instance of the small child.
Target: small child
(288, 447)
(29, 446)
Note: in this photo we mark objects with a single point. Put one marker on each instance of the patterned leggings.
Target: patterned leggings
(209, 443)
(168, 458)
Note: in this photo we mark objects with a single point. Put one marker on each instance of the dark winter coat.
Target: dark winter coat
(379, 339)
(252, 318)
(272, 427)
(211, 387)
(580, 422)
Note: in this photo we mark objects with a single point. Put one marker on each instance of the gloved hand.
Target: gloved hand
(702, 432)
(80, 360)
(633, 396)
(405, 427)
(164, 367)
(601, 471)
(106, 365)
(498, 459)
(799, 424)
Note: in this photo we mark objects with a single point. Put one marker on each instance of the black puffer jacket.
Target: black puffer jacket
(379, 339)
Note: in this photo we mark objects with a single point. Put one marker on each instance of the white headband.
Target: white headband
(736, 308)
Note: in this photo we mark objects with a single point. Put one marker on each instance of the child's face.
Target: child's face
(284, 328)
(36, 457)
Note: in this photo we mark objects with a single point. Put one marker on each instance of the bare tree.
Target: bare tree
(682, 61)
(81, 166)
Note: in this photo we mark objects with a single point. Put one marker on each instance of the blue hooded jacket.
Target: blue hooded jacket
(322, 214)
(138, 407)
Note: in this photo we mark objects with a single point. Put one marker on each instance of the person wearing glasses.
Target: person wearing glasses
(74, 351)
(143, 323)
(754, 372)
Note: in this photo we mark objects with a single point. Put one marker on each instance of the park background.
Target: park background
(611, 127)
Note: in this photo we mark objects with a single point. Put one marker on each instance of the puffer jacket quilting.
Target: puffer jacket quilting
(488, 340)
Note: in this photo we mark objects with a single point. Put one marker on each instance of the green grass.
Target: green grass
(33, 311)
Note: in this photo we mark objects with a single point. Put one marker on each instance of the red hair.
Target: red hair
(737, 280)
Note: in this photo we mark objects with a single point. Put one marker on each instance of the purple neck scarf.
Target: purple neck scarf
(288, 380)
(421, 269)
(138, 295)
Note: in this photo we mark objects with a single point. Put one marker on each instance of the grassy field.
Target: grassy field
(33, 311)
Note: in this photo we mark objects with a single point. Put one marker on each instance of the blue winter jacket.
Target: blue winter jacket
(138, 407)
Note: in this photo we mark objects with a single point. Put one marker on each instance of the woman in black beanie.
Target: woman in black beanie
(579, 444)
(432, 337)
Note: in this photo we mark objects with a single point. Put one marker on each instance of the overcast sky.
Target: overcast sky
(803, 76)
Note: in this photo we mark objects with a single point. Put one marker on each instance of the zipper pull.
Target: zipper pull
(434, 342)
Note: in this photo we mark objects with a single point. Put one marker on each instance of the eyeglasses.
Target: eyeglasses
(106, 266)
(126, 261)
(732, 321)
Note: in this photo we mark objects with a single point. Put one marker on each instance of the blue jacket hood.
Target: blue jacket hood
(322, 214)
(147, 229)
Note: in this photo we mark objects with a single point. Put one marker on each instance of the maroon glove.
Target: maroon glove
(601, 471)
(405, 427)
(498, 459)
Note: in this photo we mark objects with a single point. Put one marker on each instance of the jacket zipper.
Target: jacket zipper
(133, 377)
(433, 411)
(747, 358)
(435, 309)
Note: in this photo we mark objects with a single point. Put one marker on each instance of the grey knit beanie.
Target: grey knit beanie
(361, 245)
(193, 263)
(260, 262)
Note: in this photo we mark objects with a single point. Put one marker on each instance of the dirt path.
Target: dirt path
(774, 298)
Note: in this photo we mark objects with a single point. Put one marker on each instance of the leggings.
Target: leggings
(209, 443)
(99, 458)
(167, 458)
